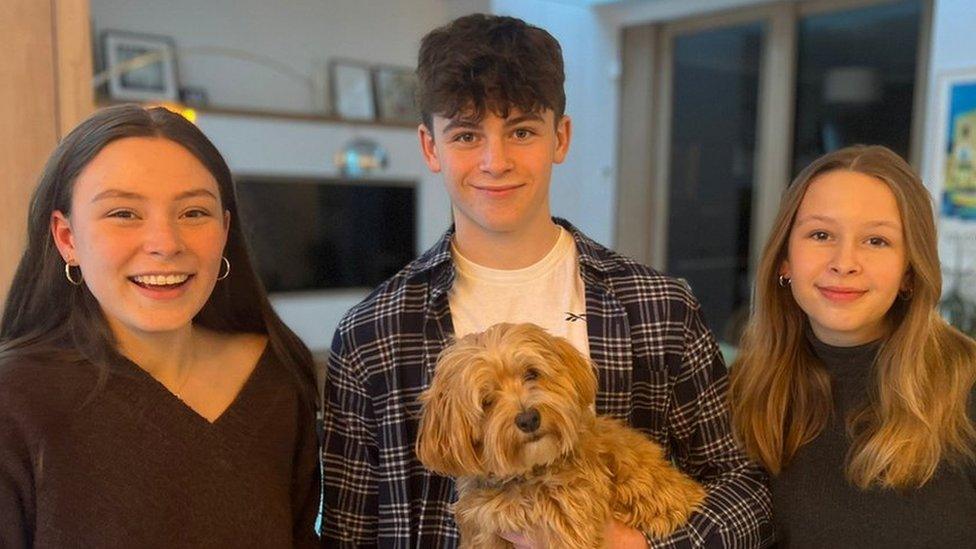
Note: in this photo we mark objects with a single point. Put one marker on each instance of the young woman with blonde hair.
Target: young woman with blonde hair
(849, 387)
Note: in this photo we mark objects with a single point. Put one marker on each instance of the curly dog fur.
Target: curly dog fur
(510, 414)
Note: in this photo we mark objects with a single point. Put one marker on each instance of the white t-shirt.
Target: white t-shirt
(549, 293)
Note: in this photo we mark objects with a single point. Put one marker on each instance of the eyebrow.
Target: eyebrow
(528, 117)
(457, 123)
(828, 219)
(461, 123)
(118, 193)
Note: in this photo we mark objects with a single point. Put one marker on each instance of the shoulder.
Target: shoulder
(406, 293)
(24, 370)
(41, 386)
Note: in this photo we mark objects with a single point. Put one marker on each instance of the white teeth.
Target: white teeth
(161, 280)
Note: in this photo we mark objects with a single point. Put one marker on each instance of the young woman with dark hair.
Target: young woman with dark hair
(149, 395)
(849, 387)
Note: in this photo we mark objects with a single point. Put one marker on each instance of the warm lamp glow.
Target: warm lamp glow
(178, 108)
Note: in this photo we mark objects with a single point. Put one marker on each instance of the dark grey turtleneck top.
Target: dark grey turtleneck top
(814, 505)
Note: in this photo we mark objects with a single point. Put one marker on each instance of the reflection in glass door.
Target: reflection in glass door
(715, 78)
(856, 73)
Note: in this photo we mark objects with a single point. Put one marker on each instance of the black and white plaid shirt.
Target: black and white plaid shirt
(659, 368)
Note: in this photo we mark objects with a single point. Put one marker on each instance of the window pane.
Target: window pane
(713, 141)
(855, 79)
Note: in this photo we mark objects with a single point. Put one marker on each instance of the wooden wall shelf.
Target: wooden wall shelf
(283, 115)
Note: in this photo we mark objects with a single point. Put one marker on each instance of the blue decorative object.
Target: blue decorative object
(361, 157)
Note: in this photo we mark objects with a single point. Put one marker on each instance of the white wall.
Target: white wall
(303, 34)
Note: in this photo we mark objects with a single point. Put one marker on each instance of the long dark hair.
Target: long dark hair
(44, 315)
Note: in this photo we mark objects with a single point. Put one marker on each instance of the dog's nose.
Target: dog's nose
(528, 421)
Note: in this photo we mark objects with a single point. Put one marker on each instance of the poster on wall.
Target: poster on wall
(952, 180)
(958, 200)
(952, 175)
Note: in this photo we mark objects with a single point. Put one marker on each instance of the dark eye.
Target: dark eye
(122, 214)
(819, 235)
(196, 212)
(487, 402)
(531, 374)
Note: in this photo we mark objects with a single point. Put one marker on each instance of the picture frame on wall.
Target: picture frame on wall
(351, 90)
(951, 178)
(141, 67)
(955, 157)
(396, 90)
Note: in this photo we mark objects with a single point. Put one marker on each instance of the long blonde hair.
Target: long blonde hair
(915, 414)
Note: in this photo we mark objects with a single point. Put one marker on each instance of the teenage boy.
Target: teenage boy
(492, 100)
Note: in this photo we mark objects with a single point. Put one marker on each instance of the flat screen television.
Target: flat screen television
(313, 234)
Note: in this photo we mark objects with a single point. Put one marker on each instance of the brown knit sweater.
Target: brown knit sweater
(132, 466)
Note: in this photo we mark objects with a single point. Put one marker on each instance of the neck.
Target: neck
(506, 250)
(165, 356)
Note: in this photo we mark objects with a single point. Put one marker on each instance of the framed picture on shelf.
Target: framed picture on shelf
(396, 89)
(140, 67)
(351, 90)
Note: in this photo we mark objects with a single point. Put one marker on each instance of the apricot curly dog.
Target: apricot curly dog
(510, 414)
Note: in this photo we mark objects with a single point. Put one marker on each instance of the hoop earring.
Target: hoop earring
(67, 274)
(226, 264)
(784, 281)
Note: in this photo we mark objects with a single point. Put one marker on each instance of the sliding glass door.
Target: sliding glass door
(715, 97)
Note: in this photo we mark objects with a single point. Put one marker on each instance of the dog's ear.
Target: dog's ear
(450, 416)
(579, 369)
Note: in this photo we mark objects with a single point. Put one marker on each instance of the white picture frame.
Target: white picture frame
(141, 67)
(352, 90)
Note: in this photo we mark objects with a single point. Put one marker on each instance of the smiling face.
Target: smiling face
(147, 229)
(847, 259)
(497, 170)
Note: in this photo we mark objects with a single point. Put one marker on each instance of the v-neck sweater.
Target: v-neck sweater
(814, 505)
(131, 465)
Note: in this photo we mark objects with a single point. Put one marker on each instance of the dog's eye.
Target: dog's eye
(486, 402)
(531, 374)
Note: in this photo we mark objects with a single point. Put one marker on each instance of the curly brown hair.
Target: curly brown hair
(485, 62)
